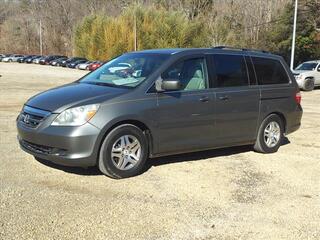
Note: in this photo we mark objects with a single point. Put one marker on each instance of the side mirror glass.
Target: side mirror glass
(168, 85)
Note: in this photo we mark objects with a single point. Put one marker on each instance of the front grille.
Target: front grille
(37, 148)
(32, 117)
(41, 149)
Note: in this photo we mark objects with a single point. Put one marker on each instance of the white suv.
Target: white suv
(307, 75)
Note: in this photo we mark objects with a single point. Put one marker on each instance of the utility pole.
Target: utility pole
(40, 36)
(294, 34)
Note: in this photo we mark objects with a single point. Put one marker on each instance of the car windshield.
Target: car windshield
(128, 70)
(307, 66)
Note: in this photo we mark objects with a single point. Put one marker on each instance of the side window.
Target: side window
(230, 70)
(269, 71)
(192, 73)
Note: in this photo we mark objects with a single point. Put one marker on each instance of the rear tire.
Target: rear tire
(124, 152)
(270, 135)
(308, 84)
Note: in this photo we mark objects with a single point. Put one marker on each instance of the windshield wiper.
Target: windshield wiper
(107, 84)
(101, 84)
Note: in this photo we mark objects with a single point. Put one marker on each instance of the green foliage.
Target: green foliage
(100, 37)
(280, 37)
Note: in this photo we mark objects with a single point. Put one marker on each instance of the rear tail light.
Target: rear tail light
(298, 97)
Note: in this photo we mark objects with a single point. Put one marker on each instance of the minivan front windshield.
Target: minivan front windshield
(128, 70)
(307, 66)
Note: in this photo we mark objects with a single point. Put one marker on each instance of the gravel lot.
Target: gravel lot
(231, 193)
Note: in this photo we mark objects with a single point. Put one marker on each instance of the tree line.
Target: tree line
(103, 29)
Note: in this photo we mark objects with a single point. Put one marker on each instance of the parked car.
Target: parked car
(56, 62)
(169, 101)
(37, 60)
(30, 59)
(12, 58)
(4, 56)
(94, 66)
(76, 63)
(70, 60)
(84, 66)
(48, 59)
(307, 75)
(23, 59)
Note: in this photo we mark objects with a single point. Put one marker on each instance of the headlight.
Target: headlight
(76, 116)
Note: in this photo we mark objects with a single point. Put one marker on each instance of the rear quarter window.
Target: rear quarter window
(269, 71)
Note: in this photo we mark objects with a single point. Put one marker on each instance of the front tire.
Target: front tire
(270, 135)
(124, 152)
(308, 84)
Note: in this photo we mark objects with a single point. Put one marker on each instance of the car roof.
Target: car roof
(163, 50)
(230, 50)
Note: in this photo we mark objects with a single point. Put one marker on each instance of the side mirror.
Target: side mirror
(168, 85)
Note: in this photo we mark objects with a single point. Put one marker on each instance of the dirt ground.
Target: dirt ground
(231, 193)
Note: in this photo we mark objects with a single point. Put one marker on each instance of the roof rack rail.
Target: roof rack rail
(241, 49)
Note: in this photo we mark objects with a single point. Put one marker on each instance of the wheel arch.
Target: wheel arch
(137, 123)
(309, 77)
(282, 117)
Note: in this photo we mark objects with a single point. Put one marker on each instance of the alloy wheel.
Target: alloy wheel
(272, 134)
(126, 152)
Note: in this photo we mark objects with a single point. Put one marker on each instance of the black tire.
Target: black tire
(10, 60)
(308, 84)
(106, 165)
(260, 145)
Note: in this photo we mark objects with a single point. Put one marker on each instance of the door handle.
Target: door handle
(224, 98)
(204, 99)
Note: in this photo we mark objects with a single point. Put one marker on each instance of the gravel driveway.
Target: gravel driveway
(231, 193)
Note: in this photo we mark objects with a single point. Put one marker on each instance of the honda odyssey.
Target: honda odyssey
(154, 103)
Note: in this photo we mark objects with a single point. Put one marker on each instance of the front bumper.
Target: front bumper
(68, 146)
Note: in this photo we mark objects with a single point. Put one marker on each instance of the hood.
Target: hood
(75, 94)
(296, 72)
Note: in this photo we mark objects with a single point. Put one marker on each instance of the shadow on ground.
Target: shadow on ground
(91, 171)
(187, 157)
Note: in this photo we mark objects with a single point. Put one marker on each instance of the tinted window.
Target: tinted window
(230, 70)
(191, 73)
(269, 71)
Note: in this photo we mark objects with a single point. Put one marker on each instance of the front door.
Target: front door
(185, 118)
